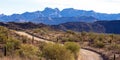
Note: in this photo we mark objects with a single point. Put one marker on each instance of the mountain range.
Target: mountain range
(55, 16)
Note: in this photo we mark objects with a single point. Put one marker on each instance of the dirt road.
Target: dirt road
(83, 54)
(89, 55)
(30, 36)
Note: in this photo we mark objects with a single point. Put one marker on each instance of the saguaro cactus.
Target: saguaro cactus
(114, 57)
(5, 51)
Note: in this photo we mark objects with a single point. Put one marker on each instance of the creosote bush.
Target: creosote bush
(29, 51)
(99, 44)
(72, 46)
(57, 52)
(11, 45)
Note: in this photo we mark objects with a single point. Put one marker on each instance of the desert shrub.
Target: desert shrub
(99, 44)
(11, 45)
(70, 32)
(115, 47)
(3, 38)
(41, 45)
(56, 52)
(73, 47)
(3, 34)
(70, 38)
(29, 51)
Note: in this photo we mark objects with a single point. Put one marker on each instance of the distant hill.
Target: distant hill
(110, 26)
(98, 26)
(21, 26)
(81, 26)
(55, 16)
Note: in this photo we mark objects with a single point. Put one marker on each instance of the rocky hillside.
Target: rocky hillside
(110, 26)
(80, 26)
(99, 26)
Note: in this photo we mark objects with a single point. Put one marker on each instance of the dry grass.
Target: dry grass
(13, 58)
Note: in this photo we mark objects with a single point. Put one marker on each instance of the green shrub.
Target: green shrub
(73, 47)
(70, 32)
(56, 52)
(115, 47)
(3, 38)
(11, 45)
(99, 44)
(3, 34)
(29, 51)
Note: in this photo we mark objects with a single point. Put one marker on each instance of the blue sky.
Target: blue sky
(19, 6)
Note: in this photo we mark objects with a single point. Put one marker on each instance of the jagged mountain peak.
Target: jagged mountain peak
(49, 12)
(1, 15)
(47, 9)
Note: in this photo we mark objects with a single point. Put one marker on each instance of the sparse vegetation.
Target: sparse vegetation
(24, 48)
(14, 45)
(104, 42)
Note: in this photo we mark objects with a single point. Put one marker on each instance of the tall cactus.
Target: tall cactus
(5, 51)
(32, 39)
(114, 57)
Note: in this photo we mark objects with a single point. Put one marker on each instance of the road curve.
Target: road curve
(83, 54)
(89, 55)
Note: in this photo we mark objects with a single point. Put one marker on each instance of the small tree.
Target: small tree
(99, 44)
(73, 47)
(11, 45)
(29, 51)
(56, 52)
(3, 34)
